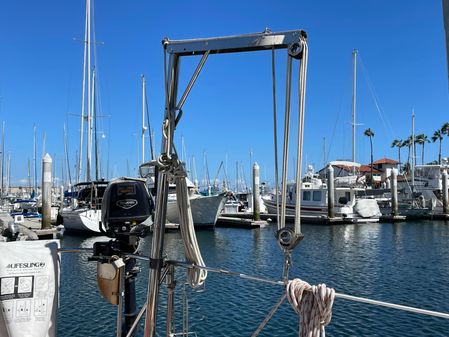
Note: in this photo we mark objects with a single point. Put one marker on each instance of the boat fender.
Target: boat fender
(108, 280)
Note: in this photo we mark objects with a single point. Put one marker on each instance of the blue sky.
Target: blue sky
(229, 112)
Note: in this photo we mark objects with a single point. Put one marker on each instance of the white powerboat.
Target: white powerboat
(314, 202)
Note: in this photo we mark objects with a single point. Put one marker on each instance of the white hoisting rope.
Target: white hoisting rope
(195, 276)
(313, 304)
(275, 137)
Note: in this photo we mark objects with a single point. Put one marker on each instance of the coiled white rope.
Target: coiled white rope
(195, 276)
(313, 304)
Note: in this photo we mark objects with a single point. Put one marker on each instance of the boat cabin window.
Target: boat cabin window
(89, 192)
(345, 199)
(306, 195)
(316, 195)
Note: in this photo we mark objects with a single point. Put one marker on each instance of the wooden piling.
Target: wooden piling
(394, 193)
(330, 192)
(445, 193)
(256, 193)
(46, 191)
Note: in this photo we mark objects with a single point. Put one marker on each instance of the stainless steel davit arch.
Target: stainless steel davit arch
(295, 42)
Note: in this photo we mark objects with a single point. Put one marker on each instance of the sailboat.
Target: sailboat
(417, 192)
(205, 209)
(83, 214)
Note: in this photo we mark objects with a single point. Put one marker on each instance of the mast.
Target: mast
(94, 112)
(413, 151)
(63, 168)
(29, 175)
(152, 144)
(3, 161)
(90, 121)
(226, 171)
(66, 156)
(89, 98)
(324, 151)
(237, 183)
(34, 162)
(143, 118)
(194, 175)
(250, 165)
(354, 93)
(83, 97)
(9, 174)
(144, 128)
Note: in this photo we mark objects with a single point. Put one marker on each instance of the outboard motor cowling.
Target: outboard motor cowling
(126, 204)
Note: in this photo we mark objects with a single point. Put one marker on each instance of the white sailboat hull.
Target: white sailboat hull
(205, 210)
(82, 220)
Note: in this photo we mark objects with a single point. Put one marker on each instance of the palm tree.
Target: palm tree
(445, 129)
(438, 135)
(408, 143)
(398, 143)
(422, 140)
(369, 133)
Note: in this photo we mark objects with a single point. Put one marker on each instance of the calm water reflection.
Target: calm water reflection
(405, 263)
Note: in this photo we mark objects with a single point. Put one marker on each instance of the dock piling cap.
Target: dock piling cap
(47, 158)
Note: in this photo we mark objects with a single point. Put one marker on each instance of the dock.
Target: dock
(237, 222)
(392, 218)
(48, 234)
(324, 220)
(28, 226)
(439, 216)
(55, 232)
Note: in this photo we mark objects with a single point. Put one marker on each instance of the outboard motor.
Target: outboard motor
(12, 231)
(125, 206)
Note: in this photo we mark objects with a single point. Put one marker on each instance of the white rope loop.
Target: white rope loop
(313, 304)
(195, 276)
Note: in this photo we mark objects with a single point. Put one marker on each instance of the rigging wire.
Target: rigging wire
(67, 159)
(333, 134)
(149, 125)
(375, 97)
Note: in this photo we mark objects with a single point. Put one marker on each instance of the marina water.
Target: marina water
(403, 263)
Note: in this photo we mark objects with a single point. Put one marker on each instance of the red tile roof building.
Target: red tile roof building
(386, 161)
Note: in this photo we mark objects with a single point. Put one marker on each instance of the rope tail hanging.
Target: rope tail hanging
(196, 276)
(313, 304)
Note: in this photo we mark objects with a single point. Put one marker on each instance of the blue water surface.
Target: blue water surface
(404, 263)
